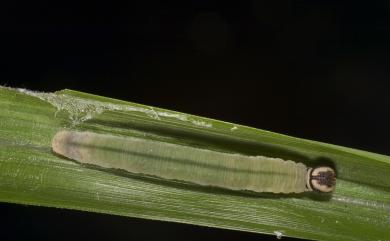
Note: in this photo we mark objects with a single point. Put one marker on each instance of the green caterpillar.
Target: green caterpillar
(193, 165)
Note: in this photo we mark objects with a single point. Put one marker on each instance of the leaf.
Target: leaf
(30, 173)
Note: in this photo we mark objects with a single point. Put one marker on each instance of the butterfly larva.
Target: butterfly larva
(193, 165)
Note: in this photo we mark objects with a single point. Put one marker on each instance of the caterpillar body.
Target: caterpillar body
(193, 165)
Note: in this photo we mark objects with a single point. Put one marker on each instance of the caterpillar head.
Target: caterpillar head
(321, 179)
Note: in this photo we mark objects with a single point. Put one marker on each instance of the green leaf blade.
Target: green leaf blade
(31, 174)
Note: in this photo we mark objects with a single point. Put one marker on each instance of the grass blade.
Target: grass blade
(31, 174)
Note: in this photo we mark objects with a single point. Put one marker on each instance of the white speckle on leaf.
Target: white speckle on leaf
(234, 128)
(97, 196)
(201, 123)
(181, 117)
(279, 234)
(21, 90)
(153, 114)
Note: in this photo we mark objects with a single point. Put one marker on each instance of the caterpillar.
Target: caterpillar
(193, 165)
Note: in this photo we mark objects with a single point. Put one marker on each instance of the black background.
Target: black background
(311, 69)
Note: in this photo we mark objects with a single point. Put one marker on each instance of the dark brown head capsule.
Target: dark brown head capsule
(322, 179)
